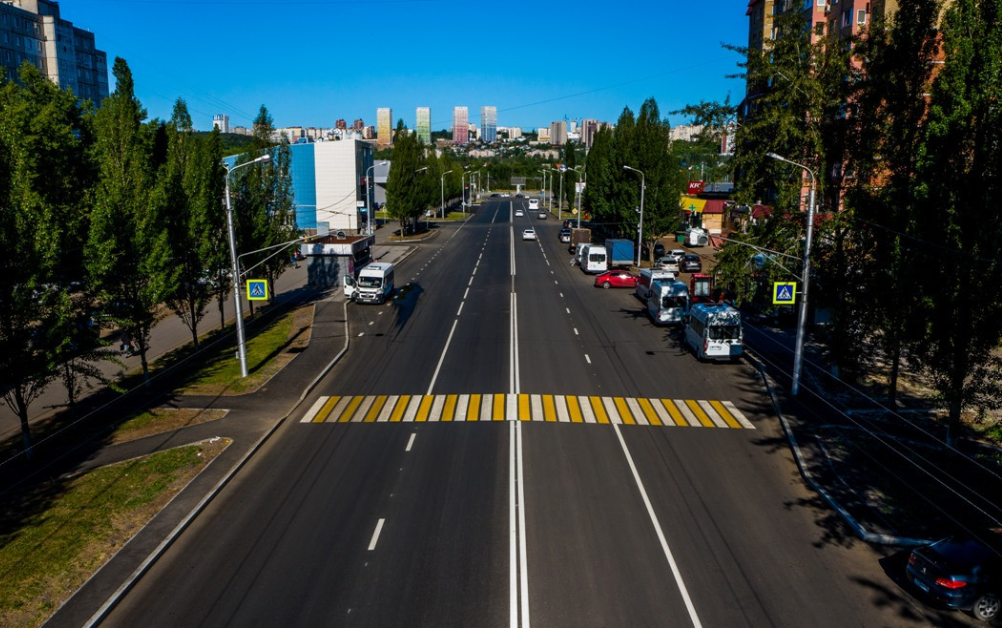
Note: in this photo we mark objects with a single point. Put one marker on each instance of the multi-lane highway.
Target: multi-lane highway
(505, 445)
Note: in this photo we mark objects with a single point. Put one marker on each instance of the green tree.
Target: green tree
(128, 250)
(653, 153)
(598, 194)
(42, 152)
(960, 183)
(897, 76)
(406, 191)
(191, 186)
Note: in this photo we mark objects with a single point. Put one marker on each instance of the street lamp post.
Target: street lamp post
(798, 352)
(443, 191)
(241, 346)
(561, 190)
(640, 227)
(427, 223)
(579, 196)
(371, 201)
(542, 190)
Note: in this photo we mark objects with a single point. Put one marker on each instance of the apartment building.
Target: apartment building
(423, 119)
(34, 31)
(489, 124)
(460, 126)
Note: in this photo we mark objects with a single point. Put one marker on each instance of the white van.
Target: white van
(714, 331)
(373, 285)
(647, 277)
(533, 204)
(668, 302)
(595, 259)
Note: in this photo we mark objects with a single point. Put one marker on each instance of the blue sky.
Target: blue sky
(312, 62)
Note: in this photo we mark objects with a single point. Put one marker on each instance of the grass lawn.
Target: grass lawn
(47, 554)
(160, 420)
(269, 348)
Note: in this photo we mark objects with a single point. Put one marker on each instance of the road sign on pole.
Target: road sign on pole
(257, 289)
(784, 292)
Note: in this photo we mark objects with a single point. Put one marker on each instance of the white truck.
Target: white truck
(374, 284)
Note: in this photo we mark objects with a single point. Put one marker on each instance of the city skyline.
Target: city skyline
(320, 82)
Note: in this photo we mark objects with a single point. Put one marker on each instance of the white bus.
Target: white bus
(647, 277)
(668, 302)
(714, 331)
(373, 285)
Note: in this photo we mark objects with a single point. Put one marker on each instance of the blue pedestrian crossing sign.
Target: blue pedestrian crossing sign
(784, 292)
(257, 289)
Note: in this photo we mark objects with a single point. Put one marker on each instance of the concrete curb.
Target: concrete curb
(861, 532)
(155, 555)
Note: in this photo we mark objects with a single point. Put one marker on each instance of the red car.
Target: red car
(616, 279)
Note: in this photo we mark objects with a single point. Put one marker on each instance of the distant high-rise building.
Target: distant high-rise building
(543, 134)
(460, 125)
(369, 132)
(489, 124)
(341, 125)
(384, 126)
(358, 125)
(33, 31)
(558, 133)
(221, 121)
(424, 124)
(588, 130)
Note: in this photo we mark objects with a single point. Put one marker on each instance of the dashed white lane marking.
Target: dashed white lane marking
(587, 358)
(460, 308)
(375, 535)
(576, 332)
(568, 310)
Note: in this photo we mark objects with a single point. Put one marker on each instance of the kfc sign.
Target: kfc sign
(696, 187)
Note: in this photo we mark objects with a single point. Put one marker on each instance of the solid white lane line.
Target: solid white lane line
(375, 535)
(522, 551)
(410, 441)
(512, 533)
(441, 359)
(661, 535)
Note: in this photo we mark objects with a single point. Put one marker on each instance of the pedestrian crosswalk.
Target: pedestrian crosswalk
(507, 407)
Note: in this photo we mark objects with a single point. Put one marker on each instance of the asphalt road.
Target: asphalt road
(411, 497)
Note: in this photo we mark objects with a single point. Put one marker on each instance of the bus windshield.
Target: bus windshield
(673, 302)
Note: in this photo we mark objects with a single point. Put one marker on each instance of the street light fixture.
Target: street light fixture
(371, 201)
(579, 197)
(241, 346)
(798, 352)
(427, 223)
(542, 190)
(640, 227)
(443, 191)
(560, 197)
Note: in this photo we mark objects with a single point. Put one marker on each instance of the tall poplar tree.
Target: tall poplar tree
(128, 250)
(960, 167)
(43, 186)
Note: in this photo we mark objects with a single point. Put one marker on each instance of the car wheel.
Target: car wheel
(605, 284)
(986, 607)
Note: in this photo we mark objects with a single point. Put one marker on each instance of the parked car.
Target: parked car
(529, 234)
(678, 254)
(691, 263)
(519, 213)
(616, 279)
(668, 263)
(958, 572)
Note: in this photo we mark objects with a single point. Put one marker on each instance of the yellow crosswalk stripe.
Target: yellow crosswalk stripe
(499, 407)
(698, 412)
(326, 410)
(524, 408)
(598, 409)
(673, 411)
(624, 411)
(398, 412)
(549, 410)
(350, 410)
(574, 409)
(648, 410)
(424, 408)
(449, 411)
(376, 408)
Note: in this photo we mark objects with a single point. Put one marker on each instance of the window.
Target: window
(847, 18)
(861, 16)
(819, 28)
